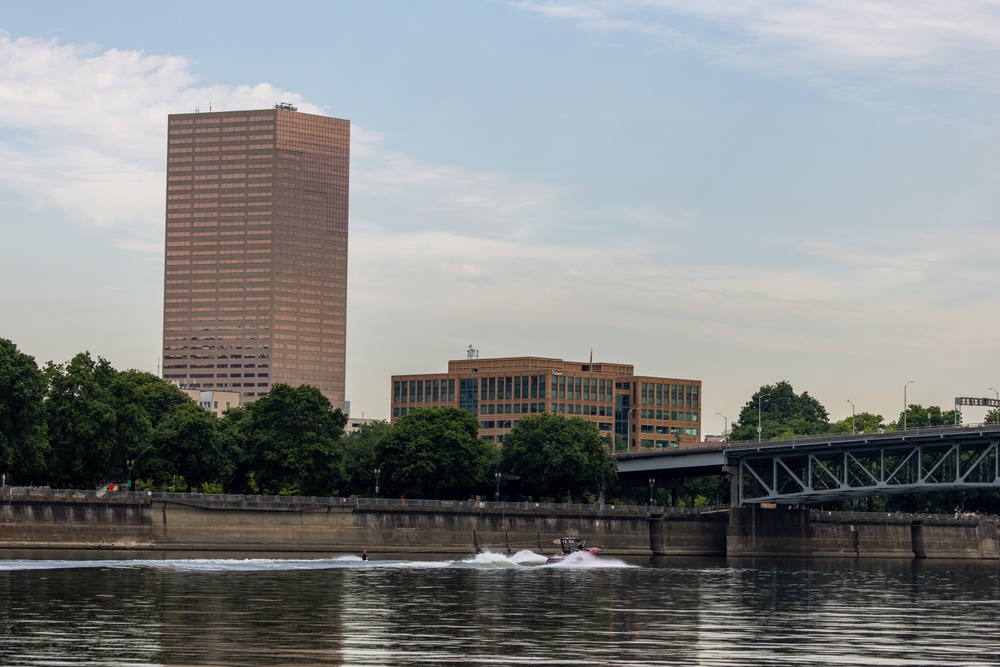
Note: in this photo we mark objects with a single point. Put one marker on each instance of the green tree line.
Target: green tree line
(779, 412)
(84, 424)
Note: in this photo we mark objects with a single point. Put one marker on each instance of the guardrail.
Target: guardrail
(803, 439)
(353, 501)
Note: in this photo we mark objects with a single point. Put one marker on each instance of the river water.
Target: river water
(495, 609)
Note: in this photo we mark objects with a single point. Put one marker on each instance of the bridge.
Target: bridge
(814, 469)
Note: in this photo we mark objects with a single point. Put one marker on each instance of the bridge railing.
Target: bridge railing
(881, 433)
(687, 448)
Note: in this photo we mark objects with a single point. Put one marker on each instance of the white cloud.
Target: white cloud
(82, 130)
(393, 190)
(930, 42)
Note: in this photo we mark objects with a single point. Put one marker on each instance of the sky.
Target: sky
(735, 191)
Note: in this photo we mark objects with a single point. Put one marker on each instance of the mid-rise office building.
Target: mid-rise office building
(216, 402)
(255, 285)
(631, 411)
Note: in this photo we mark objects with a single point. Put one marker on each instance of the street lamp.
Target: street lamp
(759, 399)
(501, 425)
(725, 424)
(497, 478)
(996, 408)
(130, 463)
(377, 471)
(652, 483)
(853, 430)
(904, 402)
(628, 429)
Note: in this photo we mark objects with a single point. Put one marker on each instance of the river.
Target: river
(496, 609)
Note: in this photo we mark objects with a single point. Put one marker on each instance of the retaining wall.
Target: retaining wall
(197, 523)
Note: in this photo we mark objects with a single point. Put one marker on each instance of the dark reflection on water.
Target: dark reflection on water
(498, 610)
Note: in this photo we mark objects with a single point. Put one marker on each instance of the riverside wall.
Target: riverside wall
(194, 522)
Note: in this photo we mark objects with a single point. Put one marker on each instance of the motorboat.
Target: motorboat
(569, 546)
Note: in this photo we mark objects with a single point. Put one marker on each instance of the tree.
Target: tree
(993, 416)
(293, 437)
(234, 428)
(433, 453)
(782, 413)
(95, 421)
(553, 455)
(159, 397)
(187, 442)
(359, 457)
(917, 416)
(862, 422)
(23, 444)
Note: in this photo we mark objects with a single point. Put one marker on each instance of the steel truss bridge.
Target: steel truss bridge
(818, 469)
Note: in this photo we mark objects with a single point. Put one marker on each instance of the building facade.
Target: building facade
(255, 284)
(631, 411)
(216, 402)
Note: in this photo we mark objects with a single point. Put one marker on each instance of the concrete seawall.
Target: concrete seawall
(797, 532)
(305, 525)
(253, 524)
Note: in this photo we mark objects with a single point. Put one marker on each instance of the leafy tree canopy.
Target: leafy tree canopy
(95, 421)
(23, 443)
(188, 443)
(433, 453)
(782, 413)
(293, 437)
(917, 416)
(159, 397)
(862, 422)
(359, 457)
(553, 455)
(234, 432)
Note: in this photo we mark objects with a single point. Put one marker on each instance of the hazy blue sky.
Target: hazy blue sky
(737, 191)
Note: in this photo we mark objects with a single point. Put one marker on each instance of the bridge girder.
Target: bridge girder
(814, 469)
(812, 475)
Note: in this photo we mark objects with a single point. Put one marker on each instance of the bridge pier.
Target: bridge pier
(755, 531)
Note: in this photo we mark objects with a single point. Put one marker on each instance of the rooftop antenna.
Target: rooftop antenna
(473, 354)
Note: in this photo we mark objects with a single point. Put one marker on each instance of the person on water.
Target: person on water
(364, 555)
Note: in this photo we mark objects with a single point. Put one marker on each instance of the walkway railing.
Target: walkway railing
(44, 492)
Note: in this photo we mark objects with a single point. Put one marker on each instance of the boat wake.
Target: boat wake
(486, 560)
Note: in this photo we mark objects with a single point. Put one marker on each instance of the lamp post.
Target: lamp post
(652, 483)
(904, 402)
(497, 478)
(853, 429)
(628, 429)
(501, 425)
(377, 471)
(759, 399)
(725, 424)
(997, 409)
(130, 463)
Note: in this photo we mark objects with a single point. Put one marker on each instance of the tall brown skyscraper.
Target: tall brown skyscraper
(255, 286)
